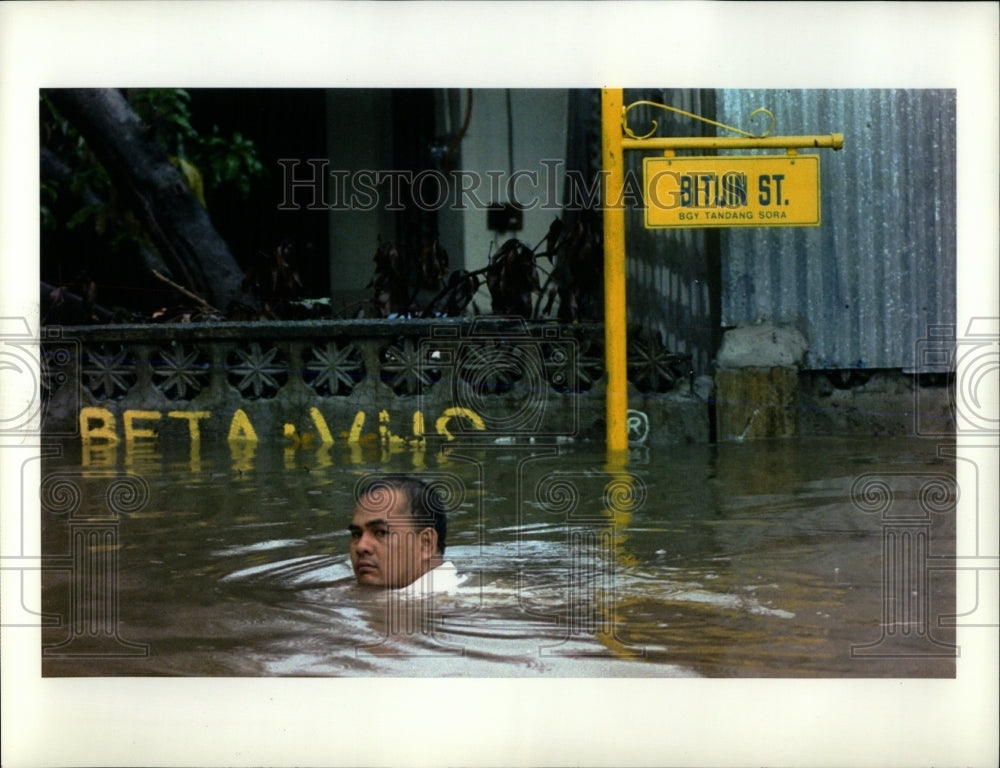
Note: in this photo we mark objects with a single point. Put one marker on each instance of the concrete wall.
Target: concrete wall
(362, 382)
(396, 383)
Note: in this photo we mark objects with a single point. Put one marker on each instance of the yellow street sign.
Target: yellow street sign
(744, 191)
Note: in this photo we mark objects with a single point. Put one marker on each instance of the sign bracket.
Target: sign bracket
(745, 139)
(630, 134)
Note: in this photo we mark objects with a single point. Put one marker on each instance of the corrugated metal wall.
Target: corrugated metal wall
(669, 272)
(869, 282)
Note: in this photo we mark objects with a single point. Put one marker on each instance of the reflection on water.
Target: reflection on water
(760, 559)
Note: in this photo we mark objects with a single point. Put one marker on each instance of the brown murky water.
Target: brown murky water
(798, 558)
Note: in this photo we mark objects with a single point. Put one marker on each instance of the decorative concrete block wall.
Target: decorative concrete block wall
(393, 381)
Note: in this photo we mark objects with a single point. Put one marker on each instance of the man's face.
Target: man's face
(388, 548)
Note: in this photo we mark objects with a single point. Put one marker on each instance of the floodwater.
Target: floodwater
(792, 558)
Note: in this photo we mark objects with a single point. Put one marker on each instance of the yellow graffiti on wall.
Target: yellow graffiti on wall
(140, 430)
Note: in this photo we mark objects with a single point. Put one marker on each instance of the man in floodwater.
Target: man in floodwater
(398, 536)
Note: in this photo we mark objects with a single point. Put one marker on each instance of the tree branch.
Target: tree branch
(139, 167)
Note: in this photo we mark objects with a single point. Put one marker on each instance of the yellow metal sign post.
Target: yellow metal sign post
(615, 337)
(714, 191)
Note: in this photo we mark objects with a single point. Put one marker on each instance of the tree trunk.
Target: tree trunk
(139, 167)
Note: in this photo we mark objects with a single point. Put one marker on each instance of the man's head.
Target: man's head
(397, 531)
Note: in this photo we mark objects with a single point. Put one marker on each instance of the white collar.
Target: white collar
(442, 579)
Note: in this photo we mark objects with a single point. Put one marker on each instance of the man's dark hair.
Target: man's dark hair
(426, 504)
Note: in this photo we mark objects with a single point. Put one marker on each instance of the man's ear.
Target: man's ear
(428, 542)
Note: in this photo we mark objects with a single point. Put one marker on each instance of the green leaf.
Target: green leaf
(232, 166)
(83, 214)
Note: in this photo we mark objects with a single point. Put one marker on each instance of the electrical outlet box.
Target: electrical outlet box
(505, 217)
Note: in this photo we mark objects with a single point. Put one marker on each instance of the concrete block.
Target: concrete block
(767, 345)
(756, 403)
